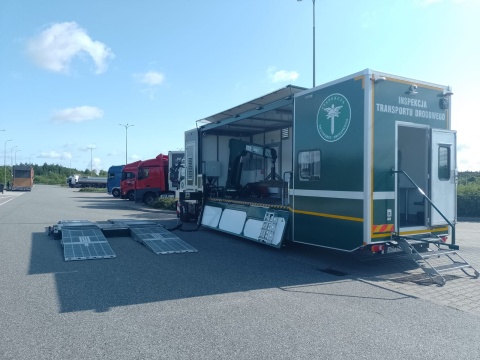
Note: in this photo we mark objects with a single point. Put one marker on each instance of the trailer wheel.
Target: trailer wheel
(116, 193)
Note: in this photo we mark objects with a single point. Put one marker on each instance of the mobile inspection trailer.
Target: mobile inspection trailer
(342, 165)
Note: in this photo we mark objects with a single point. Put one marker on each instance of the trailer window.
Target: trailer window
(23, 174)
(309, 165)
(444, 163)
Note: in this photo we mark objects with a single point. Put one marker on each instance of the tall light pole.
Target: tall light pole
(91, 147)
(313, 41)
(5, 162)
(16, 156)
(126, 126)
(11, 154)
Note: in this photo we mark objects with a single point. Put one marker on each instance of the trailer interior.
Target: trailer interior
(259, 138)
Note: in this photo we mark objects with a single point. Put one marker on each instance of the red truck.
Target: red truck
(152, 179)
(158, 177)
(127, 183)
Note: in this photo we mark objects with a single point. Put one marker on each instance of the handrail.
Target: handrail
(393, 171)
(286, 202)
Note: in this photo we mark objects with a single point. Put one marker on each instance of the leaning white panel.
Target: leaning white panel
(232, 221)
(211, 216)
(252, 228)
(278, 235)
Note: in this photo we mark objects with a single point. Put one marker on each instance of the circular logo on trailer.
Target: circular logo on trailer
(333, 117)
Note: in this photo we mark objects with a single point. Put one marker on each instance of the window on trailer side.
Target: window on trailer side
(444, 162)
(309, 165)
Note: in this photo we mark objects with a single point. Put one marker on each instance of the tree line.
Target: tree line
(50, 174)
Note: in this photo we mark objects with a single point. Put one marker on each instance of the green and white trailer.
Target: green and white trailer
(351, 164)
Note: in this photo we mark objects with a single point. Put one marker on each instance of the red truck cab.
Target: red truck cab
(127, 183)
(152, 179)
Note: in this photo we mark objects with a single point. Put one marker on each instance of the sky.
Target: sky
(89, 84)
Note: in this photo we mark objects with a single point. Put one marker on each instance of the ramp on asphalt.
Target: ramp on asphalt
(156, 237)
(83, 240)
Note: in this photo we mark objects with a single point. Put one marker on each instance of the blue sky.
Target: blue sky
(72, 71)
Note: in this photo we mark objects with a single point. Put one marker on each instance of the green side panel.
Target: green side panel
(384, 214)
(382, 210)
(394, 102)
(331, 120)
(327, 232)
(334, 207)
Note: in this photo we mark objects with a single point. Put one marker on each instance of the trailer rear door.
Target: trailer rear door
(443, 176)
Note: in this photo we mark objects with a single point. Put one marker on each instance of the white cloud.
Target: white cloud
(426, 3)
(281, 75)
(55, 155)
(55, 47)
(150, 78)
(77, 114)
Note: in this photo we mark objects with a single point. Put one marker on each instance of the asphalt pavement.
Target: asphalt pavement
(233, 299)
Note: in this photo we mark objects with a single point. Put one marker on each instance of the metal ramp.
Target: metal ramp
(268, 227)
(83, 240)
(438, 261)
(155, 237)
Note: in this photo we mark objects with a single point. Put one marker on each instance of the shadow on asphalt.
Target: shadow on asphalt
(223, 264)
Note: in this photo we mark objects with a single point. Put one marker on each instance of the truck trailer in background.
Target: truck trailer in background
(114, 177)
(75, 181)
(22, 178)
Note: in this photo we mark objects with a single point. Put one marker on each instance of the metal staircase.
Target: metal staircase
(437, 260)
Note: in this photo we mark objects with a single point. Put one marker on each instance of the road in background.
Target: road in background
(233, 299)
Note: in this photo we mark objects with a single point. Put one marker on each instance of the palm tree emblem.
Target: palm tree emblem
(332, 113)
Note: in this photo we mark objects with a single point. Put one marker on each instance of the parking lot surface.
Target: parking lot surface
(233, 299)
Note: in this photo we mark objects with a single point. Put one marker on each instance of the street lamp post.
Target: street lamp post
(5, 162)
(16, 156)
(91, 158)
(313, 41)
(11, 154)
(126, 126)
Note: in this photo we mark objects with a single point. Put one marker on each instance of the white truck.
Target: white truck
(75, 181)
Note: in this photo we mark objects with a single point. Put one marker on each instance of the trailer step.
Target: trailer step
(434, 254)
(437, 261)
